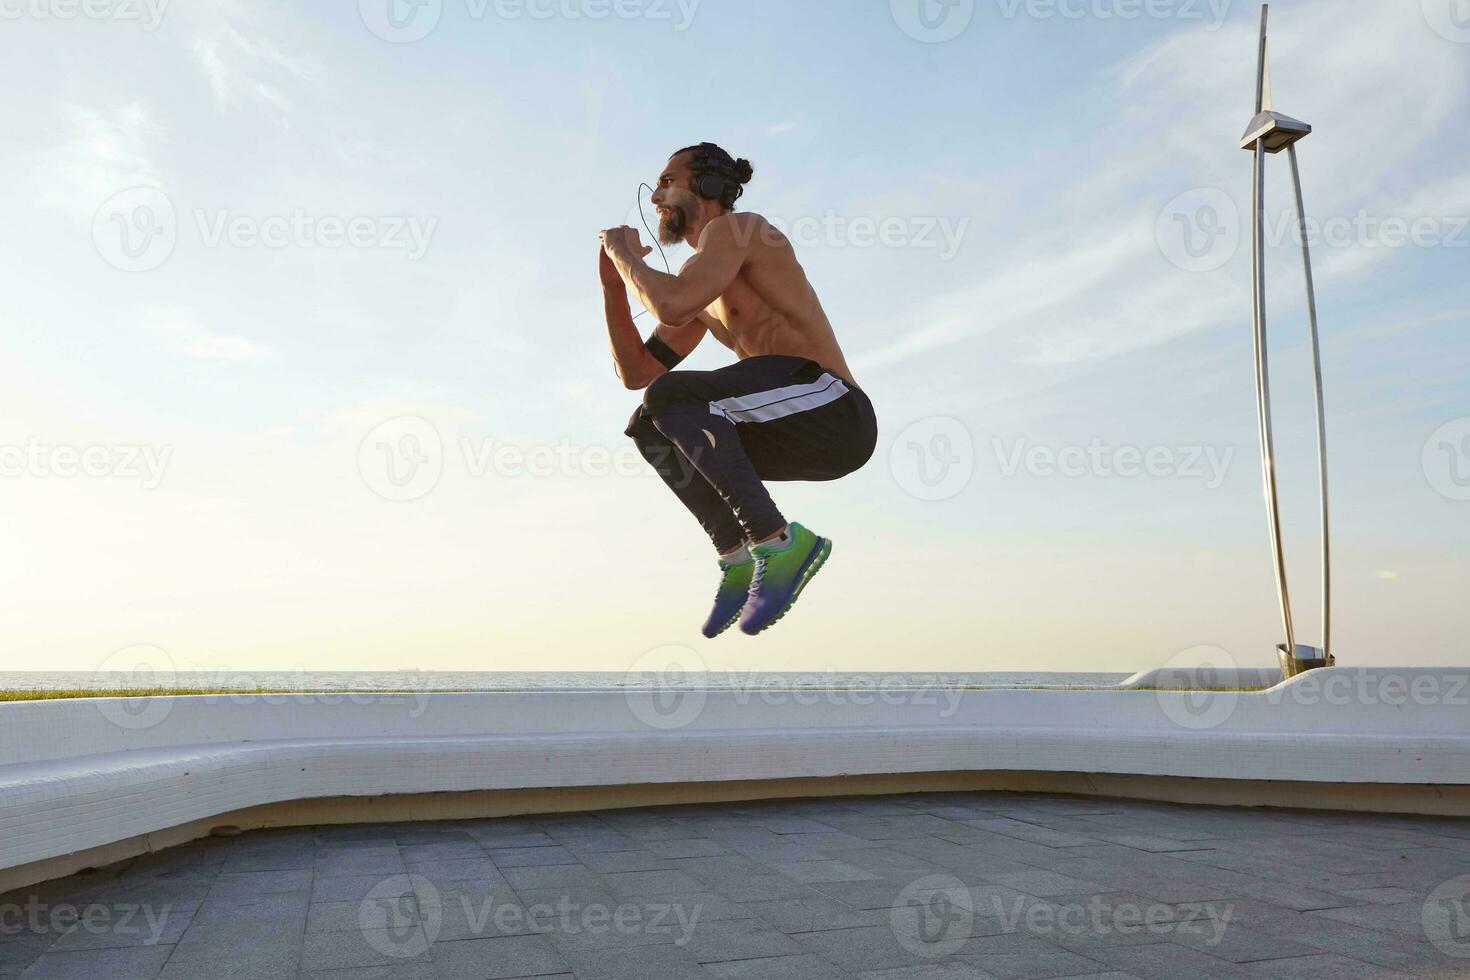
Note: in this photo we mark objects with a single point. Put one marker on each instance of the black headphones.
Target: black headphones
(721, 171)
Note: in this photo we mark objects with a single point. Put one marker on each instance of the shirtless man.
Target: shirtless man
(787, 410)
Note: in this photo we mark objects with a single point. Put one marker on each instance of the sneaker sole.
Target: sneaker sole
(723, 629)
(824, 551)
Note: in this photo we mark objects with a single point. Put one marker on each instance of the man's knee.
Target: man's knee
(640, 427)
(670, 392)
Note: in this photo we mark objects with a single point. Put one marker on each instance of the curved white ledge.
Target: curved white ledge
(81, 774)
(1193, 678)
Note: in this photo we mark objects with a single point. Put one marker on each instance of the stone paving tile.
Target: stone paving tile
(546, 903)
(1389, 895)
(795, 825)
(821, 871)
(368, 861)
(478, 913)
(758, 888)
(1325, 967)
(886, 860)
(1390, 950)
(555, 876)
(814, 913)
(643, 883)
(713, 868)
(363, 948)
(1032, 832)
(333, 838)
(1405, 918)
(531, 857)
(466, 869)
(873, 947)
(1241, 945)
(1172, 891)
(801, 967)
(611, 862)
(285, 907)
(1154, 844)
(414, 971)
(1294, 897)
(1044, 884)
(829, 839)
(788, 889)
(21, 949)
(130, 963)
(128, 927)
(490, 837)
(287, 859)
(496, 959)
(738, 939)
(354, 888)
(455, 850)
(939, 971)
(1020, 956)
(1169, 961)
(251, 884)
(186, 893)
(643, 963)
(600, 843)
(409, 834)
(278, 963)
(864, 895)
(1080, 923)
(703, 906)
(698, 847)
(230, 936)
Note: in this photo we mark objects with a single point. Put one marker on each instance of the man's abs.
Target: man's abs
(752, 327)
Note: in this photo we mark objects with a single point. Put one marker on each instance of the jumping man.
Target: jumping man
(788, 409)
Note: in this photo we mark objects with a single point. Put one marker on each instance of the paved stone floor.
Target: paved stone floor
(942, 887)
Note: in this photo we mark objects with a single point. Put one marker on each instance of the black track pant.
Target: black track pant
(715, 435)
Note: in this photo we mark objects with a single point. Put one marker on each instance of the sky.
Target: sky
(306, 368)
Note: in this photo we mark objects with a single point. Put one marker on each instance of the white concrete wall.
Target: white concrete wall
(81, 774)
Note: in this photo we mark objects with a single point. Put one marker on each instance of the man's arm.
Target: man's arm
(679, 299)
(635, 365)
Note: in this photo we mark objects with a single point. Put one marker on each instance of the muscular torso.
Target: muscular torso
(771, 308)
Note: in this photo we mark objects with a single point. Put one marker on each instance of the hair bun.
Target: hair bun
(744, 170)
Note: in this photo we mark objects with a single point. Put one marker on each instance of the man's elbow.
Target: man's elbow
(674, 313)
(637, 380)
(674, 308)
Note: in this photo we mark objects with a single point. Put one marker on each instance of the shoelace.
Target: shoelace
(729, 570)
(760, 572)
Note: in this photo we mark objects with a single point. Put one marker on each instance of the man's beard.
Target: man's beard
(671, 226)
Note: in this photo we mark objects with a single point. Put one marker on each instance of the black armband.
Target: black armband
(663, 353)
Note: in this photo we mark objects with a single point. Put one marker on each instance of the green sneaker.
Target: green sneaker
(730, 597)
(780, 575)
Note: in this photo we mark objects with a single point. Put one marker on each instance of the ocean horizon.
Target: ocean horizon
(430, 680)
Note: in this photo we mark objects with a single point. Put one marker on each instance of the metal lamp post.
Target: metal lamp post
(1272, 132)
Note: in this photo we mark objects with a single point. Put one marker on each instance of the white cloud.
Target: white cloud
(355, 421)
(189, 339)
(209, 348)
(108, 151)
(241, 60)
(1072, 296)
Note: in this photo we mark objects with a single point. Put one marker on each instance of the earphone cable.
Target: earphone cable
(644, 218)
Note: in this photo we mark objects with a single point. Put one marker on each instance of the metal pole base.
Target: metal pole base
(1306, 658)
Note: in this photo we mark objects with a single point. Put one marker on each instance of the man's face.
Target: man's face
(677, 205)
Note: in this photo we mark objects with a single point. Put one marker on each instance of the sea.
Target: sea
(425, 680)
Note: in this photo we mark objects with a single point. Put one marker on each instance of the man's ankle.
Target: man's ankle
(739, 556)
(780, 541)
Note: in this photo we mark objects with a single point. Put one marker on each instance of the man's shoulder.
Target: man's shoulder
(747, 229)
